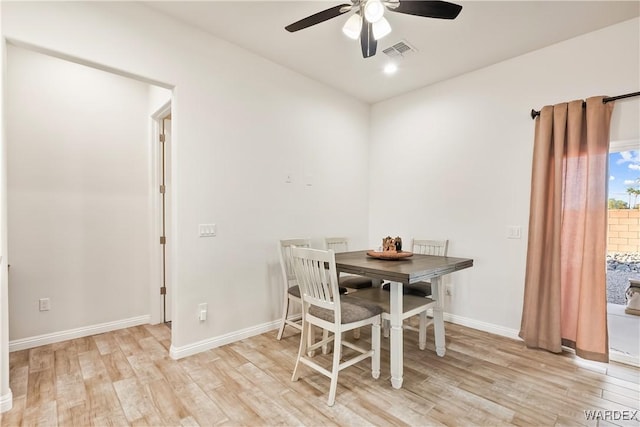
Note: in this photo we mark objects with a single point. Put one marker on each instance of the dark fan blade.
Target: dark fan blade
(429, 9)
(319, 17)
(367, 42)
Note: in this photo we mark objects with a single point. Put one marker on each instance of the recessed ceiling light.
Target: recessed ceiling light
(390, 68)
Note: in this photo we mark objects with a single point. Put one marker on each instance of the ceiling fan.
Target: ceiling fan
(374, 26)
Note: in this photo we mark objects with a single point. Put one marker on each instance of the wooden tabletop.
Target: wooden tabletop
(405, 270)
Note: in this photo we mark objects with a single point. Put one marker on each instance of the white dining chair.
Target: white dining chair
(412, 305)
(426, 247)
(291, 288)
(350, 281)
(324, 307)
(417, 297)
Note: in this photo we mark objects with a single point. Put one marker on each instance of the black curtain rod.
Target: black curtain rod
(535, 113)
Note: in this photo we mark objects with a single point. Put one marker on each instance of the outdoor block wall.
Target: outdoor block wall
(624, 230)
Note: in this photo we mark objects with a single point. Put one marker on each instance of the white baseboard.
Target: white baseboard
(482, 326)
(191, 349)
(6, 402)
(38, 340)
(208, 344)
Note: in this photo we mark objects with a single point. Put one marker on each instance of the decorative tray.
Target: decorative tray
(390, 255)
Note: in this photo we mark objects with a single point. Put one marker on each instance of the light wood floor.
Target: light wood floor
(126, 377)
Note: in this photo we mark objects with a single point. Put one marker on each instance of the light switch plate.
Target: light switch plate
(207, 230)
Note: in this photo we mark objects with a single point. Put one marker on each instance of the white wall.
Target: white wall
(5, 392)
(158, 98)
(462, 153)
(78, 195)
(240, 124)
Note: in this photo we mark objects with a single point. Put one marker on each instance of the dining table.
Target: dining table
(400, 272)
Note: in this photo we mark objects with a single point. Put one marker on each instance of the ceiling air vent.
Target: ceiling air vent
(402, 48)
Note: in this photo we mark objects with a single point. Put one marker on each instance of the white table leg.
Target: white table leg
(438, 318)
(396, 334)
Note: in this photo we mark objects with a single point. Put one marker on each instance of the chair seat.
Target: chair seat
(381, 298)
(420, 289)
(352, 309)
(387, 286)
(355, 282)
(294, 290)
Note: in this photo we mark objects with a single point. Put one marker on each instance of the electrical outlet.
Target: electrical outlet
(44, 304)
(514, 232)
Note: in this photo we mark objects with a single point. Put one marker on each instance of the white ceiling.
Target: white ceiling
(485, 32)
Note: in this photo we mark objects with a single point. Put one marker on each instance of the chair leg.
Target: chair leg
(356, 334)
(337, 347)
(385, 328)
(311, 338)
(325, 347)
(301, 351)
(422, 331)
(375, 346)
(285, 313)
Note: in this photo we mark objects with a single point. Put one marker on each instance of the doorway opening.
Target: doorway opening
(81, 197)
(623, 250)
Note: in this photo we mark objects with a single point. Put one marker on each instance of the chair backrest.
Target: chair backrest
(430, 247)
(284, 251)
(336, 244)
(318, 284)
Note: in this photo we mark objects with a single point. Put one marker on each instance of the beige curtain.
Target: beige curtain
(565, 283)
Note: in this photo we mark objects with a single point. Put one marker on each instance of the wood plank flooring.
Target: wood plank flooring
(126, 377)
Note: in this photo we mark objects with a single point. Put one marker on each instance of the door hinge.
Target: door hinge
(163, 290)
(163, 240)
(162, 137)
(163, 189)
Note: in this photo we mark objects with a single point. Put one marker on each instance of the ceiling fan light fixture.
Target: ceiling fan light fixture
(373, 10)
(381, 29)
(352, 27)
(370, 25)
